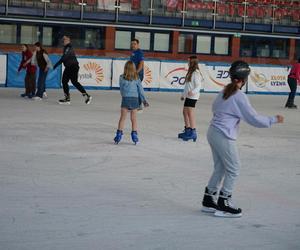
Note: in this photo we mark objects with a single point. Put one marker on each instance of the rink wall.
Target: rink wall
(159, 75)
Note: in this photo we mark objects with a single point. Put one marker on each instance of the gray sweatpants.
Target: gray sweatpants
(226, 161)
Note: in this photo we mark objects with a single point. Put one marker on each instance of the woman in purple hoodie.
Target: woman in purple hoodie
(230, 106)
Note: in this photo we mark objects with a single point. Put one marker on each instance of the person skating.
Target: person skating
(30, 72)
(71, 72)
(190, 96)
(131, 91)
(293, 78)
(229, 108)
(41, 59)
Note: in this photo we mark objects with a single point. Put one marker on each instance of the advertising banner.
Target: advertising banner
(268, 79)
(151, 73)
(94, 72)
(15, 79)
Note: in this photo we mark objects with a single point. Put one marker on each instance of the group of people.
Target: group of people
(40, 59)
(229, 108)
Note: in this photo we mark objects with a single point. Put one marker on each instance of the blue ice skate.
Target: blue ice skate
(190, 135)
(134, 137)
(185, 131)
(118, 136)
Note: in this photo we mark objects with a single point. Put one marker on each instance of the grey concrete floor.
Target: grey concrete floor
(65, 185)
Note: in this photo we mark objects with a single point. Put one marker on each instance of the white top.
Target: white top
(194, 85)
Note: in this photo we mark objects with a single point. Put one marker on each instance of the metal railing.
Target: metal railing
(235, 11)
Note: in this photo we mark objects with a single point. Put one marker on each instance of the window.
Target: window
(29, 34)
(75, 34)
(8, 33)
(264, 47)
(221, 45)
(185, 44)
(93, 39)
(47, 36)
(144, 38)
(123, 39)
(203, 44)
(149, 40)
(161, 42)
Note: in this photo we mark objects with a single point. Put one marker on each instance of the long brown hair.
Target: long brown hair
(193, 66)
(130, 71)
(230, 89)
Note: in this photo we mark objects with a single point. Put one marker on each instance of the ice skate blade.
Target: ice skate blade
(208, 209)
(227, 215)
(64, 103)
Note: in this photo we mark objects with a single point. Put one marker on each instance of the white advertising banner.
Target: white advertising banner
(151, 73)
(268, 79)
(172, 75)
(215, 77)
(94, 72)
(3, 59)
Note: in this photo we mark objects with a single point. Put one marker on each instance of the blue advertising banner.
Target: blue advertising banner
(15, 79)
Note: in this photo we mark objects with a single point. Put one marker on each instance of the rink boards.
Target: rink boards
(159, 75)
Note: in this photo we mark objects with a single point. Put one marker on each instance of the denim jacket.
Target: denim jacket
(132, 88)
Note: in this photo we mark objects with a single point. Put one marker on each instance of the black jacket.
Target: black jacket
(68, 58)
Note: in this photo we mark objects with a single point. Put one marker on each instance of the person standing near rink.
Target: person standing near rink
(137, 57)
(30, 72)
(190, 96)
(230, 106)
(293, 78)
(71, 72)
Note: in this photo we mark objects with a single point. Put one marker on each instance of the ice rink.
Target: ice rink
(65, 185)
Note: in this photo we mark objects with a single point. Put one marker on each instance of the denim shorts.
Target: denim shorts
(130, 103)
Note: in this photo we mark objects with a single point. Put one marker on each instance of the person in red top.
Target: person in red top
(293, 78)
(30, 72)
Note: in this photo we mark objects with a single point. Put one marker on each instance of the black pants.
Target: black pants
(71, 74)
(293, 86)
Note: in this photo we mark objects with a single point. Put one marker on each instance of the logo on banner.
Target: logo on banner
(176, 79)
(259, 79)
(94, 72)
(221, 74)
(147, 75)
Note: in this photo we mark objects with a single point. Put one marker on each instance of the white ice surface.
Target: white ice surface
(65, 185)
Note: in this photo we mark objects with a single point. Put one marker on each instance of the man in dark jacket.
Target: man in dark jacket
(71, 72)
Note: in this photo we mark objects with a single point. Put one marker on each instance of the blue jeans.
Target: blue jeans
(41, 84)
(226, 161)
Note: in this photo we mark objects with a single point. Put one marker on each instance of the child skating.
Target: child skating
(131, 91)
(229, 108)
(190, 96)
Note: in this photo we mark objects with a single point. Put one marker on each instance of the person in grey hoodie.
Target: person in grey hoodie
(131, 91)
(229, 108)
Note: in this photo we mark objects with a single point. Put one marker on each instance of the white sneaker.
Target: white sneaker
(37, 98)
(45, 95)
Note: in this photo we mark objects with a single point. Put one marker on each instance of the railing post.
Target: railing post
(117, 9)
(183, 12)
(151, 12)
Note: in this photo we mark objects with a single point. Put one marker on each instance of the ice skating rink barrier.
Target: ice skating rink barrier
(159, 75)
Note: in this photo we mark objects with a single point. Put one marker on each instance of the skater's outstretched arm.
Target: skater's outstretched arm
(249, 114)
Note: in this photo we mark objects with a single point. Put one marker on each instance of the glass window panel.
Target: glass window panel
(8, 33)
(203, 44)
(221, 45)
(161, 42)
(29, 34)
(123, 39)
(47, 36)
(144, 38)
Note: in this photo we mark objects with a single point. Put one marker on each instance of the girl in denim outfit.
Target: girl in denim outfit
(131, 91)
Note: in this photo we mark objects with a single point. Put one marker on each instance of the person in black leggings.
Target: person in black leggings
(293, 78)
(71, 72)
